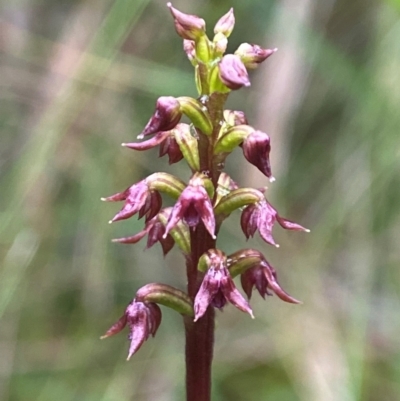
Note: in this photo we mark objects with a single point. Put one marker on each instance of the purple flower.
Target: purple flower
(225, 24)
(263, 277)
(262, 216)
(218, 287)
(187, 26)
(253, 55)
(138, 199)
(193, 205)
(167, 142)
(155, 231)
(256, 149)
(143, 319)
(232, 72)
(165, 117)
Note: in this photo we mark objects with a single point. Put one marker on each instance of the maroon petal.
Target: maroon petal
(232, 294)
(150, 143)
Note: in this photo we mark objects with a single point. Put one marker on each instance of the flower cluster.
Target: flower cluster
(211, 195)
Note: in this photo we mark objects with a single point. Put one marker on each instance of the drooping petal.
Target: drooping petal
(232, 294)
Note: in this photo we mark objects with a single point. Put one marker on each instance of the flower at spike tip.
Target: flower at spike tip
(262, 216)
(218, 287)
(193, 205)
(143, 319)
(187, 26)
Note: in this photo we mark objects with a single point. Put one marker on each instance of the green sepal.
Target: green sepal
(232, 138)
(236, 199)
(197, 114)
(166, 183)
(203, 49)
(188, 146)
(179, 233)
(211, 258)
(166, 295)
(242, 260)
(216, 85)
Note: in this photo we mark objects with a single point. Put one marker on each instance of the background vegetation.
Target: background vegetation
(80, 77)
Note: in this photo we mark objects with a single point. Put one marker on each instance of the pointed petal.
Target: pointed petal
(233, 295)
(149, 144)
(116, 327)
(273, 283)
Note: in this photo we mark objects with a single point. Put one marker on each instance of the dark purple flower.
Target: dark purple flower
(253, 55)
(171, 148)
(262, 216)
(155, 231)
(256, 149)
(143, 319)
(167, 142)
(232, 72)
(138, 199)
(166, 116)
(218, 287)
(263, 277)
(187, 26)
(193, 205)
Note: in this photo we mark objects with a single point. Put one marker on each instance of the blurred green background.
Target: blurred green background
(78, 78)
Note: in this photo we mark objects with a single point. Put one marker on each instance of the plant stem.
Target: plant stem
(200, 334)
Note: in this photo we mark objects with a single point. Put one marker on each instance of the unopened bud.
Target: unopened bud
(187, 26)
(225, 24)
(253, 55)
(165, 117)
(233, 72)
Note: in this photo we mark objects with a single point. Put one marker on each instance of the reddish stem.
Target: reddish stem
(200, 334)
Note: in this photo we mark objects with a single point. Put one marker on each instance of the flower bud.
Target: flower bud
(253, 55)
(235, 117)
(220, 44)
(225, 24)
(225, 186)
(189, 49)
(232, 72)
(165, 117)
(217, 287)
(187, 26)
(256, 149)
